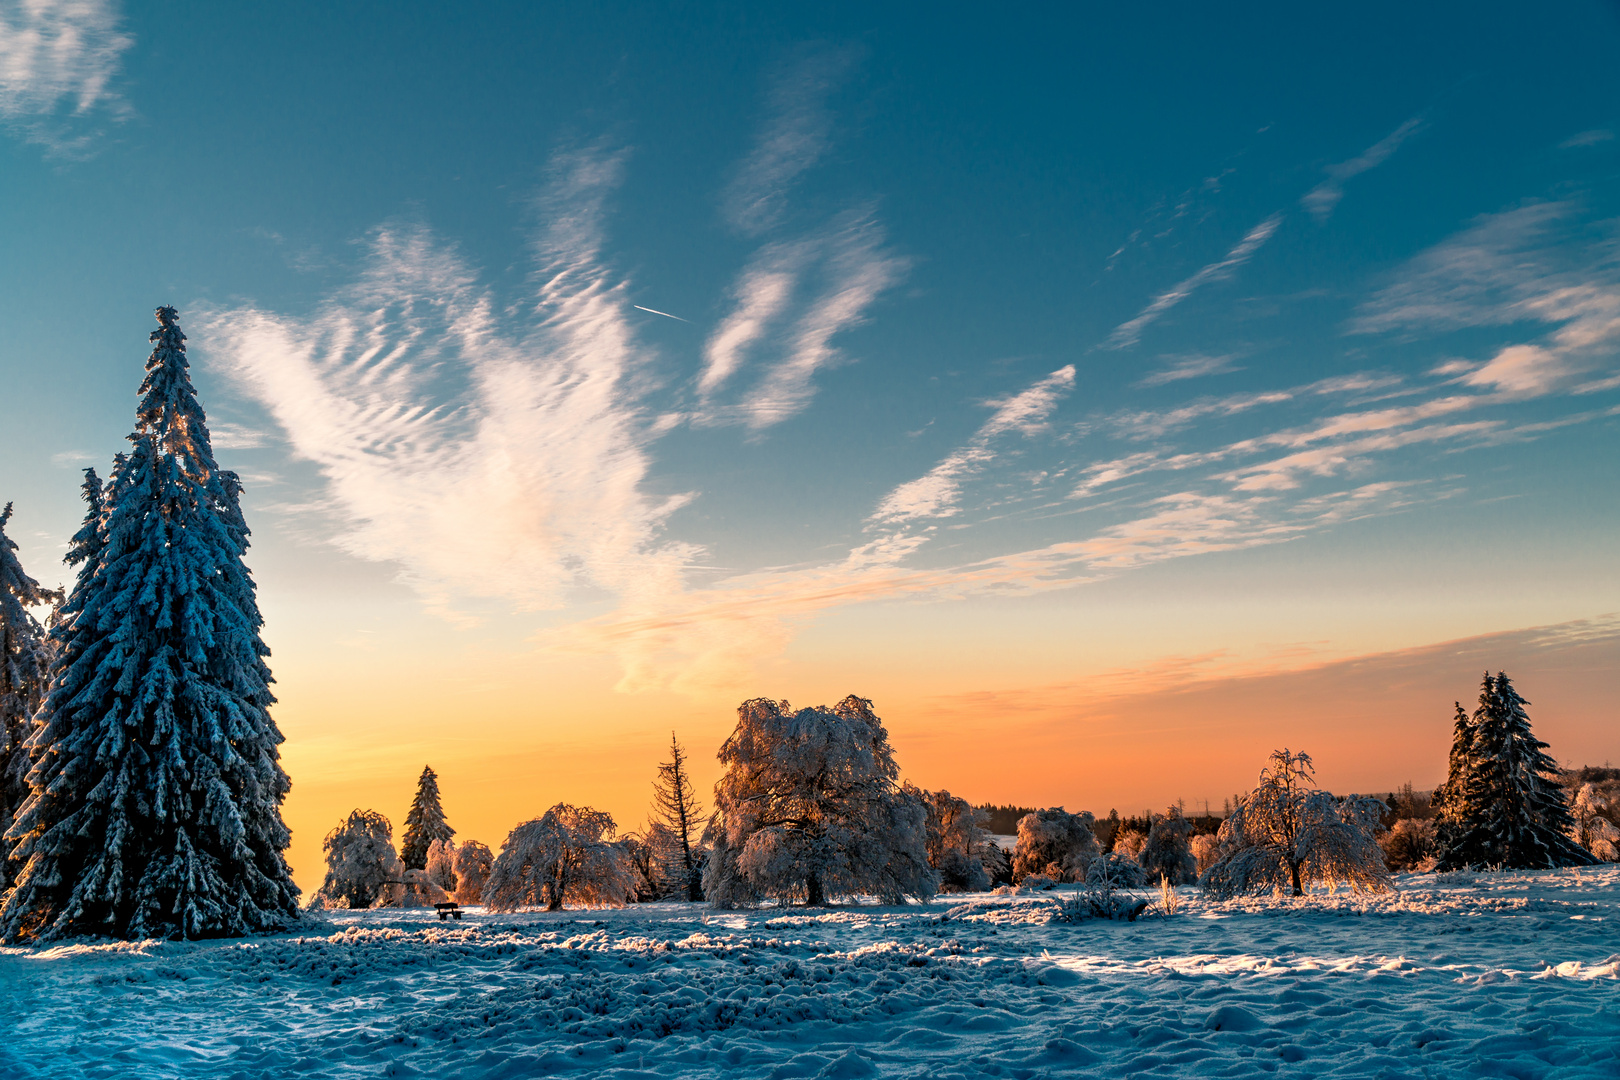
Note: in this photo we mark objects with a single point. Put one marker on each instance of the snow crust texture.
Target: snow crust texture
(1512, 974)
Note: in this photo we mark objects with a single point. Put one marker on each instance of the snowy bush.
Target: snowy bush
(1121, 871)
(1410, 844)
(1055, 843)
(1287, 833)
(360, 862)
(441, 864)
(1100, 897)
(645, 867)
(1592, 830)
(567, 856)
(1130, 842)
(414, 889)
(1165, 853)
(473, 864)
(1501, 804)
(957, 843)
(809, 808)
(1205, 850)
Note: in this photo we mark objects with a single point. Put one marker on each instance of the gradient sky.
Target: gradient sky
(1110, 395)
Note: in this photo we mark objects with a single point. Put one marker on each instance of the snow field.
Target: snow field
(1514, 974)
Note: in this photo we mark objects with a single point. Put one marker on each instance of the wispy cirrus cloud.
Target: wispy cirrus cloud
(788, 307)
(796, 132)
(1128, 333)
(1196, 366)
(57, 60)
(1324, 197)
(935, 494)
(491, 459)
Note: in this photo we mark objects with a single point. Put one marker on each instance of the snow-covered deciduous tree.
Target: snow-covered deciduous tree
(1592, 830)
(1410, 843)
(676, 828)
(566, 856)
(360, 862)
(1129, 842)
(809, 808)
(1205, 850)
(473, 864)
(1288, 833)
(957, 843)
(1509, 810)
(24, 668)
(1165, 852)
(155, 805)
(441, 864)
(1055, 844)
(425, 823)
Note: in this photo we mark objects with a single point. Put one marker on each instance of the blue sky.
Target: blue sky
(1066, 339)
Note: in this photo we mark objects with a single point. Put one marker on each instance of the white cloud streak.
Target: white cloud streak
(937, 494)
(1190, 367)
(1130, 332)
(488, 464)
(57, 58)
(796, 134)
(1324, 197)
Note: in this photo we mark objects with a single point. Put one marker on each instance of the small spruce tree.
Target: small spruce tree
(23, 668)
(1509, 810)
(425, 823)
(155, 804)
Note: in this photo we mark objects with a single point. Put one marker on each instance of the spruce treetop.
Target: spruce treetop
(425, 823)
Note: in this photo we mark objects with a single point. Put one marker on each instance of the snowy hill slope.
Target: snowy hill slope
(1491, 974)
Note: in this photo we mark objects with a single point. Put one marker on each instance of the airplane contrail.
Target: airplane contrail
(665, 314)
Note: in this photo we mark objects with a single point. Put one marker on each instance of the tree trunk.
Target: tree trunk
(814, 897)
(1299, 888)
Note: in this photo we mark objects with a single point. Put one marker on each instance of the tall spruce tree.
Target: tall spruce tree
(1509, 810)
(156, 797)
(677, 812)
(24, 657)
(425, 823)
(1448, 799)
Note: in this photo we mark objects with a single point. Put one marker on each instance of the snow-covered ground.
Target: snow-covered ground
(1494, 975)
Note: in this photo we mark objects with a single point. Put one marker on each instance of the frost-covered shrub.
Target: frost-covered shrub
(809, 808)
(1056, 843)
(1122, 871)
(473, 863)
(1287, 833)
(1205, 850)
(567, 856)
(1410, 844)
(360, 862)
(441, 864)
(414, 889)
(1165, 853)
(1130, 842)
(1592, 830)
(957, 843)
(1100, 897)
(644, 863)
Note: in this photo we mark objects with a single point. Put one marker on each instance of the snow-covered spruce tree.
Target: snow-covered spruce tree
(1056, 844)
(1510, 811)
(360, 862)
(473, 863)
(676, 827)
(441, 864)
(156, 800)
(957, 842)
(1288, 833)
(23, 670)
(425, 823)
(809, 808)
(1448, 798)
(1166, 852)
(566, 856)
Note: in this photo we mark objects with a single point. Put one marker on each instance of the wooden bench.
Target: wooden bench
(448, 909)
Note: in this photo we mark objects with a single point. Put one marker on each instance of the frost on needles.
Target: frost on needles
(155, 804)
